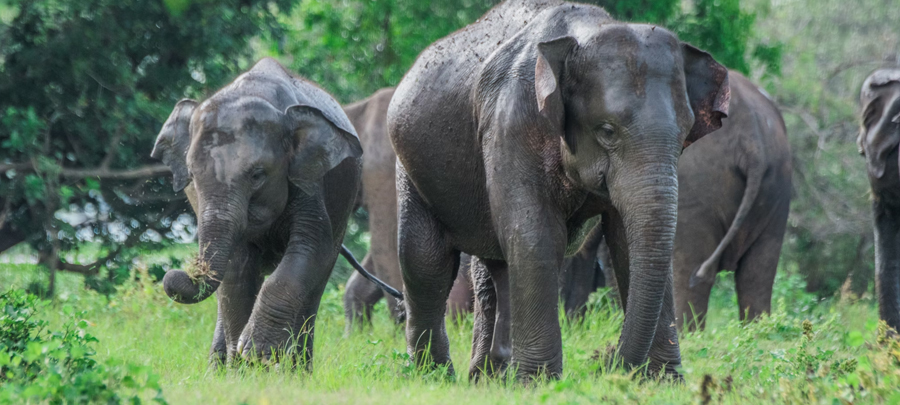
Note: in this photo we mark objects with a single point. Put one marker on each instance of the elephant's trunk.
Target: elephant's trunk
(216, 235)
(647, 199)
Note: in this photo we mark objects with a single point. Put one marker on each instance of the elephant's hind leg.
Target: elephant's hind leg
(755, 273)
(359, 298)
(491, 345)
(428, 264)
(694, 243)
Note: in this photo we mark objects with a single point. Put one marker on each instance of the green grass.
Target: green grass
(770, 361)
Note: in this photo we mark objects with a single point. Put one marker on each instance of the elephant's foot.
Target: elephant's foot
(271, 348)
(609, 360)
(217, 359)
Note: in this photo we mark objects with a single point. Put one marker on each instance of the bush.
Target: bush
(42, 365)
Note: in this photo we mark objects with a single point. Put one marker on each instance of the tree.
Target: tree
(84, 88)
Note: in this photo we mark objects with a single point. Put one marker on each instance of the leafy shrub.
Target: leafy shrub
(43, 365)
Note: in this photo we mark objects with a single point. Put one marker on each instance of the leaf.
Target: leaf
(855, 338)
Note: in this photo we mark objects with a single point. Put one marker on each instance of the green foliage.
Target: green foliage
(768, 361)
(37, 364)
(354, 48)
(87, 85)
(652, 11)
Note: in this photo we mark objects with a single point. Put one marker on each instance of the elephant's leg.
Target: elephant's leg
(428, 264)
(664, 352)
(283, 320)
(755, 275)
(218, 352)
(491, 343)
(532, 237)
(461, 298)
(359, 298)
(582, 274)
(485, 317)
(694, 243)
(887, 263)
(237, 294)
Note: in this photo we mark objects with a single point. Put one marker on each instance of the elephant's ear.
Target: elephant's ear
(548, 70)
(708, 91)
(319, 142)
(173, 141)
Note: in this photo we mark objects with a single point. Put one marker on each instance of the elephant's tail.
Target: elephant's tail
(707, 271)
(381, 284)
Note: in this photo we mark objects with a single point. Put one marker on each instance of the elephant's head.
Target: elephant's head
(626, 100)
(879, 135)
(242, 153)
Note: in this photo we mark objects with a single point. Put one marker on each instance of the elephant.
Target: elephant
(514, 137)
(878, 141)
(741, 226)
(378, 195)
(270, 164)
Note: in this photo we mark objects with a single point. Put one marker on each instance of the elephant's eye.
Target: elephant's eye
(258, 176)
(605, 131)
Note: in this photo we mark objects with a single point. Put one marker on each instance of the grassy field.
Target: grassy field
(837, 360)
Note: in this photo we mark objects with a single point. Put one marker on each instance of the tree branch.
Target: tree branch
(99, 172)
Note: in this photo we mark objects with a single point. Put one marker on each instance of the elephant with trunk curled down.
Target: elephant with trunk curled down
(270, 164)
(514, 137)
(878, 141)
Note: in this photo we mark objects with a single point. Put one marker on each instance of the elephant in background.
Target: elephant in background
(878, 141)
(734, 195)
(512, 149)
(270, 164)
(378, 195)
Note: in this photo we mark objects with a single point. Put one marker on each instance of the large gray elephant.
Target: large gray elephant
(878, 140)
(739, 227)
(514, 135)
(270, 164)
(378, 195)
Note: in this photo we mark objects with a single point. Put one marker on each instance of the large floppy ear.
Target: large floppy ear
(548, 69)
(879, 135)
(708, 91)
(173, 141)
(320, 142)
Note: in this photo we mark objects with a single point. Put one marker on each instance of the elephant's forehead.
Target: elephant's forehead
(233, 138)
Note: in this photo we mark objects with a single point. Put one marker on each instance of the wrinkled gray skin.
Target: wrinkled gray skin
(273, 167)
(513, 136)
(739, 227)
(378, 195)
(878, 140)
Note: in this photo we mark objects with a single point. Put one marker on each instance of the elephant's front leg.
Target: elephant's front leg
(283, 318)
(235, 297)
(533, 241)
(218, 351)
(887, 262)
(664, 352)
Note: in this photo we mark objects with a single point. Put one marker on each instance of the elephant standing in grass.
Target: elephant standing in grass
(734, 195)
(514, 136)
(378, 195)
(270, 164)
(878, 140)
